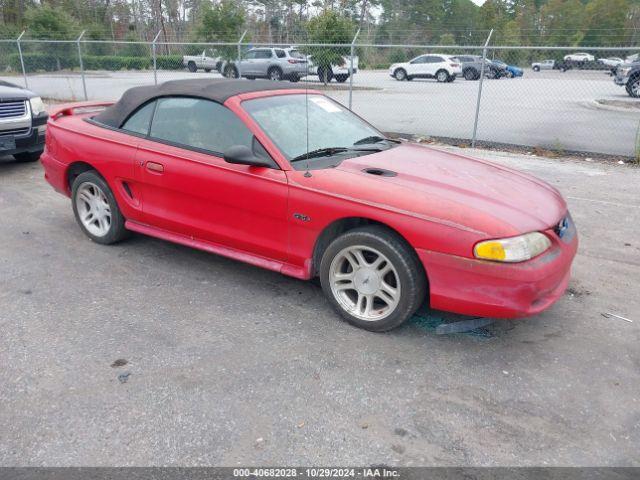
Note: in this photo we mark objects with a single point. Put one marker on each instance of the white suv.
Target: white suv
(441, 67)
(579, 57)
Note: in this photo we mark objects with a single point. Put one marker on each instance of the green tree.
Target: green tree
(447, 39)
(222, 22)
(48, 22)
(604, 21)
(562, 22)
(329, 27)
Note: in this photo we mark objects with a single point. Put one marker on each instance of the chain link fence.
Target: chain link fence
(552, 98)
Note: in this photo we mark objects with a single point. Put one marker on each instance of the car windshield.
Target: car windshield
(299, 124)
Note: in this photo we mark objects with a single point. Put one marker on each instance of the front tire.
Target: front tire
(192, 67)
(372, 278)
(231, 72)
(342, 78)
(400, 74)
(536, 69)
(27, 156)
(96, 210)
(275, 74)
(633, 87)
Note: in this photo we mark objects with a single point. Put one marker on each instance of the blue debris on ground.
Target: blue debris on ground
(430, 321)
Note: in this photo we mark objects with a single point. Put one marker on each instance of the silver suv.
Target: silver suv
(271, 63)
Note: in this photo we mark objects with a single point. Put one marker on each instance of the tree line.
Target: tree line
(515, 22)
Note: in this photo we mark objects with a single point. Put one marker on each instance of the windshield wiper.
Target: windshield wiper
(328, 151)
(374, 139)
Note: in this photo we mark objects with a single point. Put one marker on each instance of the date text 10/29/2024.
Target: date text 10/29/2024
(316, 472)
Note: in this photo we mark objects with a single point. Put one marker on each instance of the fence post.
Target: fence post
(240, 53)
(84, 83)
(153, 50)
(24, 72)
(353, 51)
(484, 60)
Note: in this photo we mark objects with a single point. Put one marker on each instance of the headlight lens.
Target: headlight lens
(37, 107)
(515, 249)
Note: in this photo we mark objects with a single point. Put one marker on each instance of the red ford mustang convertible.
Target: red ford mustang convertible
(292, 181)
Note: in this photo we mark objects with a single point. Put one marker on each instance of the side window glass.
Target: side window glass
(418, 60)
(437, 60)
(263, 54)
(139, 121)
(250, 55)
(199, 123)
(280, 53)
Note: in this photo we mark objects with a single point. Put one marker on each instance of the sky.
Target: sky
(478, 2)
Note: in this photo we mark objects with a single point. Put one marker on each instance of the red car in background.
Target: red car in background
(289, 180)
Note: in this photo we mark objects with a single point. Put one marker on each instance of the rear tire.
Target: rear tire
(208, 70)
(96, 210)
(442, 76)
(536, 69)
(192, 67)
(27, 156)
(342, 78)
(471, 74)
(373, 278)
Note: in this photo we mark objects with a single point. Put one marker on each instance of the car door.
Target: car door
(416, 67)
(262, 61)
(247, 63)
(188, 189)
(435, 63)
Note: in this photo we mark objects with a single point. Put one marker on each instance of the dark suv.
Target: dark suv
(628, 75)
(23, 122)
(472, 66)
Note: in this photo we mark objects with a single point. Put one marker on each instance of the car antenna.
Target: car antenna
(307, 173)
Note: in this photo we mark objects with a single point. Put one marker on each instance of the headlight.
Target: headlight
(37, 107)
(515, 249)
(624, 71)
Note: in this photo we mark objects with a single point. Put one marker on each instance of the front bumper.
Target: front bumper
(621, 81)
(32, 142)
(500, 290)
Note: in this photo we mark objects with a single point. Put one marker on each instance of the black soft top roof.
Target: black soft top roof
(216, 89)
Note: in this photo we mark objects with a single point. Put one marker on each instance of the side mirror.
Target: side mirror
(242, 155)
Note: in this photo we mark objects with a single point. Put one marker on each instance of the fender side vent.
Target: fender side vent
(127, 189)
(380, 172)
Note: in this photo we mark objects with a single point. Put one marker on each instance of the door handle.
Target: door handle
(155, 167)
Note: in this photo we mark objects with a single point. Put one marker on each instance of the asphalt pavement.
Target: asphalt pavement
(548, 109)
(149, 353)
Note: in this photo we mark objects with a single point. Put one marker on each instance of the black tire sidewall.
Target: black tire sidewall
(117, 231)
(410, 272)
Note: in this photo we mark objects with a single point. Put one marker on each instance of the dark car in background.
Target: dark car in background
(472, 66)
(23, 122)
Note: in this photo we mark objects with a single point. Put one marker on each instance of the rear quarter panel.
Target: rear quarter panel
(72, 139)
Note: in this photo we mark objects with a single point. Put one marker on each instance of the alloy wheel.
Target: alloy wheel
(94, 210)
(365, 283)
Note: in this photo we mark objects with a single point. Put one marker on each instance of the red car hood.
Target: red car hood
(451, 188)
